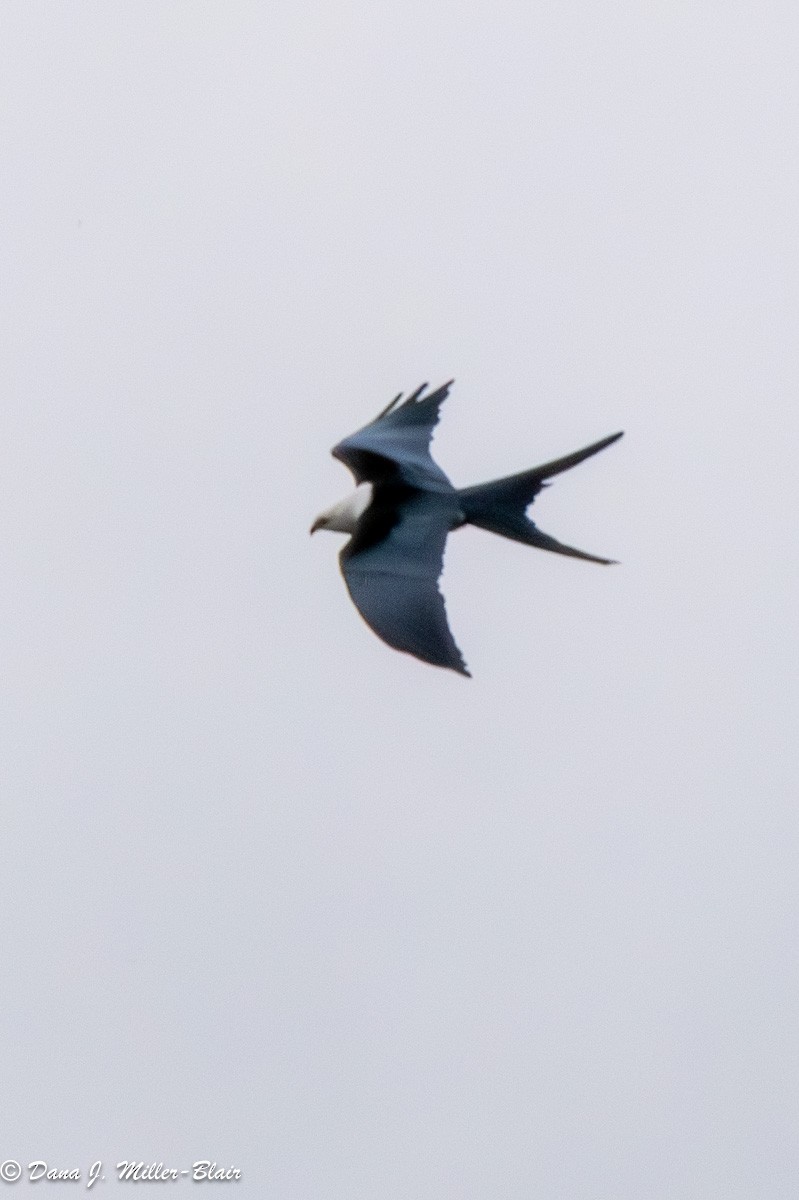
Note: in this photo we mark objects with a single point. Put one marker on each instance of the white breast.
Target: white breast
(344, 516)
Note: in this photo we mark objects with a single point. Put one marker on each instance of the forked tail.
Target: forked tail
(501, 506)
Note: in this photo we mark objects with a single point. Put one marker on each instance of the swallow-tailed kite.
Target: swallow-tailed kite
(401, 513)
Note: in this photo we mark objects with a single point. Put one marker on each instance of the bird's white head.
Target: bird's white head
(344, 516)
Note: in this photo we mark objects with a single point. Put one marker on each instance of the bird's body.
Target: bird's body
(403, 510)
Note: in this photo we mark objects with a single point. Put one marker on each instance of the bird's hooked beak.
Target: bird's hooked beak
(319, 523)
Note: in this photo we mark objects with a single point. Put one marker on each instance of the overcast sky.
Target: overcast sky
(273, 894)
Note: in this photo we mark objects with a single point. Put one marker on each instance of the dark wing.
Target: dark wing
(396, 445)
(391, 567)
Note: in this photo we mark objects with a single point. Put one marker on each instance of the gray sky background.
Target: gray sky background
(272, 894)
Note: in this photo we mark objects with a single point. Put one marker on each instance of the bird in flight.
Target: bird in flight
(401, 513)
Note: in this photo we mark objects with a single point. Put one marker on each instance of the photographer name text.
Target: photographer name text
(202, 1171)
